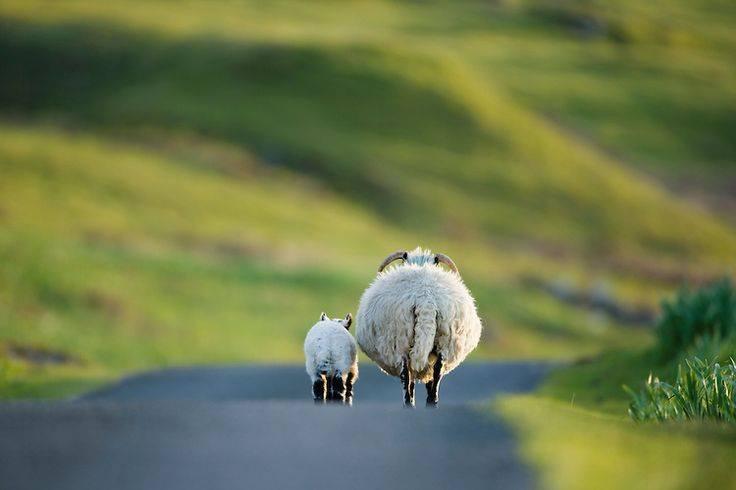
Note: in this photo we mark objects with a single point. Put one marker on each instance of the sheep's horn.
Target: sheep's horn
(401, 254)
(445, 260)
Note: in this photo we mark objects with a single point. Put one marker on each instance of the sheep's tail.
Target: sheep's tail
(425, 328)
(325, 367)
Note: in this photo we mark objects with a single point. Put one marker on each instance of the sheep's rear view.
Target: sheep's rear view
(331, 359)
(417, 320)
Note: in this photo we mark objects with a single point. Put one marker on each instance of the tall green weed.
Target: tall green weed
(702, 391)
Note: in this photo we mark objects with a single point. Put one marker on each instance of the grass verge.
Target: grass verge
(577, 448)
(575, 430)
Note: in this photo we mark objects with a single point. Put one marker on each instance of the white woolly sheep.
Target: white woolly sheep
(332, 360)
(417, 320)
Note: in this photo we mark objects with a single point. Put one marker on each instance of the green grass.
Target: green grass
(435, 121)
(20, 380)
(191, 182)
(576, 431)
(576, 448)
(698, 328)
(701, 391)
(195, 183)
(695, 316)
(609, 85)
(102, 262)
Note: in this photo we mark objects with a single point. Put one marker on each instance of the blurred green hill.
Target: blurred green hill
(189, 182)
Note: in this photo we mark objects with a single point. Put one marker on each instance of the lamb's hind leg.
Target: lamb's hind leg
(349, 388)
(408, 383)
(329, 387)
(433, 386)
(319, 389)
(338, 388)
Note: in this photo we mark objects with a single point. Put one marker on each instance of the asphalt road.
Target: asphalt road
(255, 427)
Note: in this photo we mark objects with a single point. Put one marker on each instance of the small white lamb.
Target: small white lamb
(332, 359)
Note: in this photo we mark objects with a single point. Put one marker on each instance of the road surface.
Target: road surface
(255, 427)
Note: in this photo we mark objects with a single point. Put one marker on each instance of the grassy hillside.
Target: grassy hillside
(195, 182)
(459, 151)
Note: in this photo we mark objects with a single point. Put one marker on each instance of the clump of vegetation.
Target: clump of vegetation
(703, 390)
(696, 325)
(707, 313)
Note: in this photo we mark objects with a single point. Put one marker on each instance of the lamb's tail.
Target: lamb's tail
(325, 367)
(425, 328)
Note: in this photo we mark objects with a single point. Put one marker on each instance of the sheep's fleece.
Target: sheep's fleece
(329, 348)
(415, 310)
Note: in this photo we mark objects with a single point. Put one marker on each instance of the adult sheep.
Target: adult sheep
(417, 320)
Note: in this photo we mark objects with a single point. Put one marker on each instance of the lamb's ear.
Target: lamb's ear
(348, 321)
(323, 316)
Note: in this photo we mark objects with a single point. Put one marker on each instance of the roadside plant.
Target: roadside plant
(701, 391)
(709, 312)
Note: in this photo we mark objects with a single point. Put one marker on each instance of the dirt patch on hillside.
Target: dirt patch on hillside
(596, 299)
(39, 355)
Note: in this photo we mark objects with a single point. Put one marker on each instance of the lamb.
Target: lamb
(332, 361)
(418, 321)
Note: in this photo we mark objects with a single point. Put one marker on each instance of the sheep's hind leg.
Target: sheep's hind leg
(349, 388)
(329, 387)
(338, 388)
(408, 383)
(433, 386)
(318, 390)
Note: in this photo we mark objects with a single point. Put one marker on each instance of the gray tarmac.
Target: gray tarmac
(255, 427)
